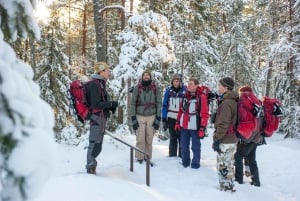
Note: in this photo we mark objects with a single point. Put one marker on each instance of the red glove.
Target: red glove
(201, 133)
(177, 126)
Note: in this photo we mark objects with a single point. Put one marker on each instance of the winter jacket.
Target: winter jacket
(96, 93)
(188, 113)
(146, 101)
(97, 96)
(226, 118)
(171, 102)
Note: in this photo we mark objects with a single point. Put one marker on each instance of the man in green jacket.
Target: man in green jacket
(145, 110)
(224, 139)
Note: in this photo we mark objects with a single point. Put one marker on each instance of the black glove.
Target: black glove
(212, 95)
(113, 110)
(135, 123)
(216, 145)
(114, 104)
(165, 124)
(156, 123)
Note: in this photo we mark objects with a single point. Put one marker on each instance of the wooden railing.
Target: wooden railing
(132, 158)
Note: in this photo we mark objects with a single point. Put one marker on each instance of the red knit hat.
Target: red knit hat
(246, 89)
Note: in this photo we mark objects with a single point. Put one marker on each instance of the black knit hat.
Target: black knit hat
(227, 82)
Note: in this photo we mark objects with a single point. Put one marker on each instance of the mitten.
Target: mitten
(135, 123)
(177, 126)
(216, 145)
(201, 132)
(165, 124)
(156, 123)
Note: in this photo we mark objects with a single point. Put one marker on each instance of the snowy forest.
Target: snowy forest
(44, 45)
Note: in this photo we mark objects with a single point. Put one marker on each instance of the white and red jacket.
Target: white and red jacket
(193, 112)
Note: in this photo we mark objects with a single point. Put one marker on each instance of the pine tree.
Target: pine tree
(284, 53)
(53, 70)
(145, 43)
(194, 42)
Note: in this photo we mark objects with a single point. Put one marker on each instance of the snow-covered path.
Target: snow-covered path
(278, 165)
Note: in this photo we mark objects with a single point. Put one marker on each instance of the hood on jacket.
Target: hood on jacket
(97, 76)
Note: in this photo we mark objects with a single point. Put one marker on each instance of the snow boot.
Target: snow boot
(228, 188)
(254, 183)
(91, 170)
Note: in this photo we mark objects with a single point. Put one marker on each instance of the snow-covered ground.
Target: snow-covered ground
(279, 166)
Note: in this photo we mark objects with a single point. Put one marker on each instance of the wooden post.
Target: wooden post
(131, 159)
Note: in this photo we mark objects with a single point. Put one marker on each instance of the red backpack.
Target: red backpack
(78, 101)
(272, 115)
(249, 114)
(203, 94)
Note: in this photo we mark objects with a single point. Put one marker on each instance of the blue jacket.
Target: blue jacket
(171, 102)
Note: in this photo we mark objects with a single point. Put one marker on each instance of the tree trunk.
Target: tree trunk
(128, 101)
(69, 34)
(84, 30)
(291, 60)
(151, 5)
(99, 28)
(33, 58)
(121, 108)
(269, 75)
(224, 22)
(131, 6)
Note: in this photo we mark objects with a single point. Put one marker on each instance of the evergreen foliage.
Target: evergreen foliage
(146, 44)
(25, 118)
(52, 72)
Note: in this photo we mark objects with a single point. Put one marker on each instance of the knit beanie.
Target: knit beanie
(176, 77)
(100, 66)
(227, 82)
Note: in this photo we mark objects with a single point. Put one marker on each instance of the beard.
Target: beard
(146, 83)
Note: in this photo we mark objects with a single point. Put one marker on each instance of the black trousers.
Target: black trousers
(174, 146)
(247, 151)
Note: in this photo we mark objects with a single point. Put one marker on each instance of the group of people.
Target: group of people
(179, 112)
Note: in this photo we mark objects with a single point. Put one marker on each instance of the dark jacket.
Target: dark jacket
(226, 118)
(96, 93)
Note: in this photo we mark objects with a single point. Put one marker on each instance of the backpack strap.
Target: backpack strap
(140, 88)
(202, 105)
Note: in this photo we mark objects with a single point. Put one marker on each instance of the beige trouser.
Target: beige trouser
(144, 135)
